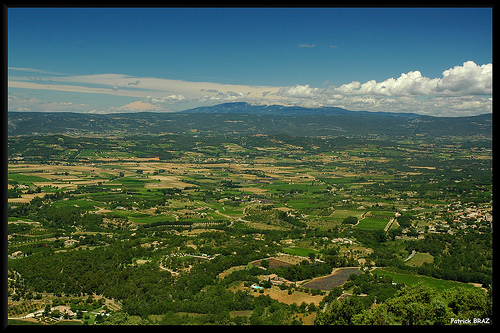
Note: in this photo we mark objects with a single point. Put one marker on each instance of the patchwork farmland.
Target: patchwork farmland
(196, 222)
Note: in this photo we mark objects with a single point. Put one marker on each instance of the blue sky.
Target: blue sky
(434, 61)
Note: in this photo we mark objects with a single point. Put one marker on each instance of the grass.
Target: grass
(371, 223)
(383, 213)
(419, 259)
(133, 181)
(412, 279)
(151, 219)
(342, 213)
(245, 313)
(26, 178)
(228, 210)
(299, 251)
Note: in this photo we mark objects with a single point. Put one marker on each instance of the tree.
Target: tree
(55, 314)
(423, 305)
(311, 307)
(380, 235)
(404, 221)
(266, 284)
(46, 311)
(350, 220)
(469, 302)
(340, 313)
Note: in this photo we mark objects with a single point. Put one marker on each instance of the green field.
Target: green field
(150, 219)
(26, 178)
(341, 214)
(382, 214)
(135, 227)
(134, 181)
(299, 251)
(419, 259)
(371, 223)
(410, 279)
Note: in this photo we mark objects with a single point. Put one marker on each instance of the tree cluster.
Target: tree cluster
(412, 305)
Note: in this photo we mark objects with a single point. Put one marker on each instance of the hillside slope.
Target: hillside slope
(221, 121)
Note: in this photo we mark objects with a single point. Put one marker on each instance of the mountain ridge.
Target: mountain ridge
(282, 110)
(234, 119)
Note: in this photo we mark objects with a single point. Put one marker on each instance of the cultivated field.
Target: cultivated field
(371, 223)
(338, 277)
(273, 263)
(207, 207)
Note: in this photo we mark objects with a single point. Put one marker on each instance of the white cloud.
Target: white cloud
(462, 90)
(164, 99)
(119, 84)
(174, 98)
(469, 79)
(35, 104)
(348, 88)
(33, 70)
(298, 91)
(306, 45)
(74, 88)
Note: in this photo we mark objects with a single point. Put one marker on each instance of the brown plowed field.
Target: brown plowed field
(273, 263)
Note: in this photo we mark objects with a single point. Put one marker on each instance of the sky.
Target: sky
(431, 61)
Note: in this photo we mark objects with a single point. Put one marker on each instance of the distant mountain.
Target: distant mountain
(281, 110)
(236, 118)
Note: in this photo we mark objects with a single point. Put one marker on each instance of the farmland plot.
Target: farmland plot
(337, 278)
(371, 223)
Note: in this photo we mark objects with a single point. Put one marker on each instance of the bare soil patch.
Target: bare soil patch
(256, 190)
(167, 182)
(26, 197)
(296, 297)
(273, 263)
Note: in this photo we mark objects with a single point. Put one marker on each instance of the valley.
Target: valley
(177, 228)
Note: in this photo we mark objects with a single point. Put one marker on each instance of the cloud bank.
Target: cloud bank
(462, 90)
(469, 79)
